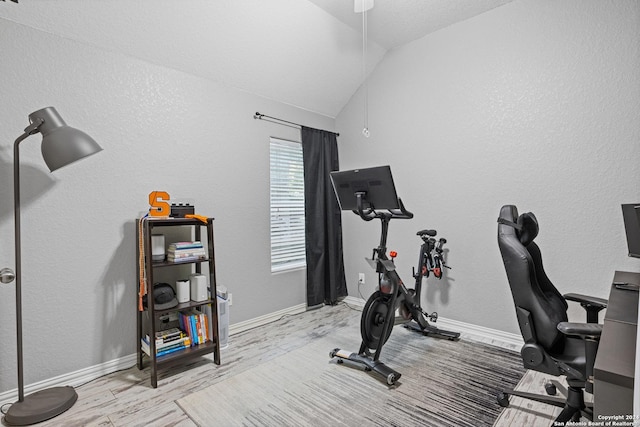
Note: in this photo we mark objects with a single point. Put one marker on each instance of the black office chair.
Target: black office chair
(551, 344)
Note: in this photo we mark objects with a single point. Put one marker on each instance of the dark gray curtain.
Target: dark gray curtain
(325, 265)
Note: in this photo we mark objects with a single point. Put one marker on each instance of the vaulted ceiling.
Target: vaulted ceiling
(305, 53)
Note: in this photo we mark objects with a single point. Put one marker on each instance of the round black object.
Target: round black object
(373, 320)
(164, 297)
(532, 355)
(503, 400)
(551, 389)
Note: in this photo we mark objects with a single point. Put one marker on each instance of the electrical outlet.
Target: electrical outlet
(230, 299)
(361, 278)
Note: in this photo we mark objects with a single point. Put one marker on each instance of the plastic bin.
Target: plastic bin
(223, 318)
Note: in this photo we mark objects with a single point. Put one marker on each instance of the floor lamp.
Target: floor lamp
(61, 145)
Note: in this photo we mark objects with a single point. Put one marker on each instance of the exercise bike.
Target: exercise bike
(370, 193)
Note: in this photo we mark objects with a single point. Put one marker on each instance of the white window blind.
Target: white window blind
(287, 206)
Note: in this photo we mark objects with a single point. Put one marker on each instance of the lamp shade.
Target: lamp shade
(62, 144)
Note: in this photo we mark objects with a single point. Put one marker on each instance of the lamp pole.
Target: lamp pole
(30, 130)
(61, 145)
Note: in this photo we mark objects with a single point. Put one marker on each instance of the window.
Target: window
(287, 205)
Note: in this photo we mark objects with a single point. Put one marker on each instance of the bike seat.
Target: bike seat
(430, 233)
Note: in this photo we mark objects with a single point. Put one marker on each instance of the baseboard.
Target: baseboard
(85, 375)
(479, 333)
(74, 379)
(237, 328)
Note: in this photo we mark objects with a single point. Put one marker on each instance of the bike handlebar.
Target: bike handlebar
(401, 213)
(370, 213)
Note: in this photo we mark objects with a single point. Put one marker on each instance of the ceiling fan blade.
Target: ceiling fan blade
(360, 6)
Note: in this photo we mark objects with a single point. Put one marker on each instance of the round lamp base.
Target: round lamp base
(41, 405)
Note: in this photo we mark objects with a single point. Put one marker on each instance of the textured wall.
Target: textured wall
(244, 44)
(535, 103)
(161, 130)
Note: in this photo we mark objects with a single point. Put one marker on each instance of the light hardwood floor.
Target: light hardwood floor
(524, 412)
(126, 398)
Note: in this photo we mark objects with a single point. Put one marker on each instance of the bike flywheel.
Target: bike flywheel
(373, 320)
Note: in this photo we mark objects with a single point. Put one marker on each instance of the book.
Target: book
(146, 348)
(181, 344)
(195, 325)
(190, 252)
(168, 333)
(185, 246)
(207, 325)
(194, 328)
(162, 353)
(187, 259)
(171, 251)
(186, 252)
(168, 343)
(185, 324)
(182, 257)
(208, 312)
(171, 339)
(186, 243)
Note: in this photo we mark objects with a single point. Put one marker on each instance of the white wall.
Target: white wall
(248, 44)
(161, 130)
(535, 103)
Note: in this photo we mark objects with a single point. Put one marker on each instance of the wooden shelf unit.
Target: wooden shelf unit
(148, 320)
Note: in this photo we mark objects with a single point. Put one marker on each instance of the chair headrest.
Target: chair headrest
(528, 228)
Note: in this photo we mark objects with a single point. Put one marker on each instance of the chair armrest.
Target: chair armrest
(587, 299)
(590, 335)
(592, 305)
(583, 330)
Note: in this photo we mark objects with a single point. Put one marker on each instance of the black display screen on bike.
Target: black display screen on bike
(376, 183)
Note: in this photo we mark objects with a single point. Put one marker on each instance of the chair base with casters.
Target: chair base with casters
(573, 405)
(553, 345)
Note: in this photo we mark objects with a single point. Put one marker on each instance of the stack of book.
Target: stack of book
(197, 325)
(167, 341)
(185, 252)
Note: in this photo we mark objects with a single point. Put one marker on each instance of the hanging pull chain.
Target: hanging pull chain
(365, 85)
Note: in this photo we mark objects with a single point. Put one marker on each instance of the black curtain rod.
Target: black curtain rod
(259, 116)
